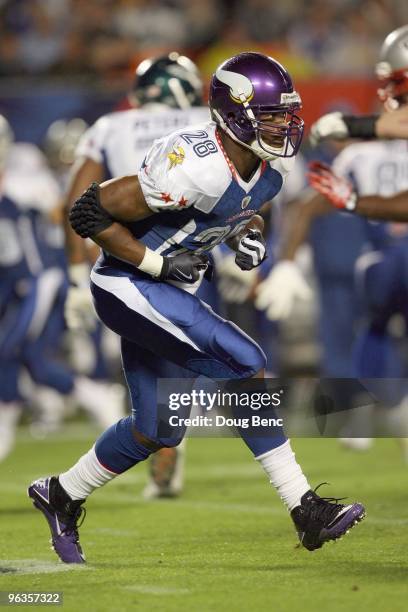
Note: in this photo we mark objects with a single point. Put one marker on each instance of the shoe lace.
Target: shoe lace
(72, 525)
(326, 508)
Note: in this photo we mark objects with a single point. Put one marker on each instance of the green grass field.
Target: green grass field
(227, 544)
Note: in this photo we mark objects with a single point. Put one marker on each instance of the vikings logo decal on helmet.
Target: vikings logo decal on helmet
(241, 89)
(247, 92)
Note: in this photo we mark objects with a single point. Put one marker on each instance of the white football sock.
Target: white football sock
(103, 401)
(85, 476)
(10, 413)
(285, 474)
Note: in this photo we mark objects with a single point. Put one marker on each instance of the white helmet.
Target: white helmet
(6, 140)
(392, 69)
(61, 140)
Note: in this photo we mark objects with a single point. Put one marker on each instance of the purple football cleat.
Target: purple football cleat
(321, 519)
(62, 514)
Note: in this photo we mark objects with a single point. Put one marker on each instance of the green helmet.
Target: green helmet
(172, 80)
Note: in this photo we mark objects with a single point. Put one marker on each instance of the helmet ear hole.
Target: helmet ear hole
(234, 118)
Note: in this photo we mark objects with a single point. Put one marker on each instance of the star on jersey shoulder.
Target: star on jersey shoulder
(166, 197)
(182, 202)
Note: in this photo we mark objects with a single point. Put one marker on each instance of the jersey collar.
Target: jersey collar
(246, 186)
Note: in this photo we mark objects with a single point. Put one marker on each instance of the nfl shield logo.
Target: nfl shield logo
(245, 202)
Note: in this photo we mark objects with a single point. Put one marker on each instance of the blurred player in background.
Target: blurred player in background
(238, 287)
(372, 179)
(392, 72)
(199, 186)
(33, 288)
(286, 289)
(87, 348)
(167, 92)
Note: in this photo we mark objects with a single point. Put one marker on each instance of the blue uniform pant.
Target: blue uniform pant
(30, 336)
(382, 278)
(163, 326)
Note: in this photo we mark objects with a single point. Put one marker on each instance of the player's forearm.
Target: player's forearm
(393, 124)
(255, 223)
(96, 215)
(298, 221)
(119, 242)
(390, 124)
(394, 208)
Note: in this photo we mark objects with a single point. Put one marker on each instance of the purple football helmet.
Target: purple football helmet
(251, 86)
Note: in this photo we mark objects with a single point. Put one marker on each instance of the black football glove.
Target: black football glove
(184, 267)
(251, 250)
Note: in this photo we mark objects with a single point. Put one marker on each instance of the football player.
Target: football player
(198, 186)
(167, 94)
(392, 70)
(371, 179)
(388, 126)
(33, 288)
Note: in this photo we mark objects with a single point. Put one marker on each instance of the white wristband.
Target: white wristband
(151, 263)
(352, 202)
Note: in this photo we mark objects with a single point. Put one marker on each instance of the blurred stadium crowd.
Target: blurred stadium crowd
(49, 368)
(98, 37)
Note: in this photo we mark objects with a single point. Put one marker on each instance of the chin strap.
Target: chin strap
(259, 150)
(254, 147)
(262, 153)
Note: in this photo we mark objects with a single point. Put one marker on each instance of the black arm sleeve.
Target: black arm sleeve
(361, 127)
(87, 217)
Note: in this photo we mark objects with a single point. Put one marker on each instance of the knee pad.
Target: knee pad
(244, 354)
(170, 442)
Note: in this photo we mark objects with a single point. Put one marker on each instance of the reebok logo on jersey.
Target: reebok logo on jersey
(241, 215)
(176, 157)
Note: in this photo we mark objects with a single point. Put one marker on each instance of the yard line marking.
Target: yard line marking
(237, 507)
(386, 521)
(225, 507)
(153, 589)
(116, 533)
(33, 566)
(70, 431)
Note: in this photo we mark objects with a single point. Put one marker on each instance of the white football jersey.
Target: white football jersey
(379, 167)
(121, 139)
(189, 175)
(27, 179)
(190, 167)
